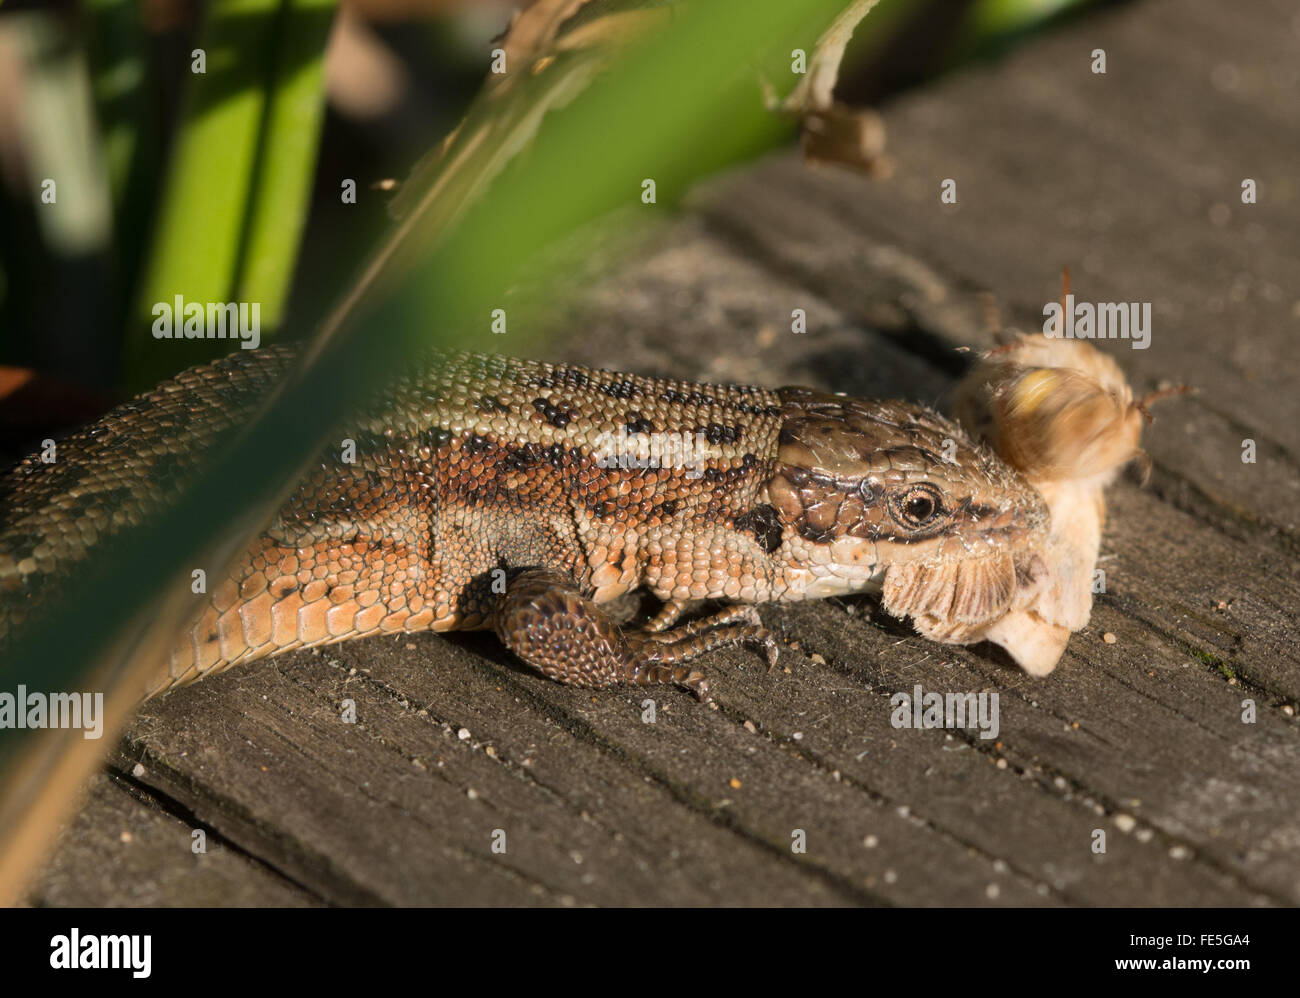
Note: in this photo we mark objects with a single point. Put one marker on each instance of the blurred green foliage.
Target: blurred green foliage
(199, 184)
(200, 189)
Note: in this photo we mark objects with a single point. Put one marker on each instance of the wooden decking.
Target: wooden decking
(1134, 179)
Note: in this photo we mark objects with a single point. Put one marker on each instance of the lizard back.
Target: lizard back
(464, 469)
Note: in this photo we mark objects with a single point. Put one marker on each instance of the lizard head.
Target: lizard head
(863, 486)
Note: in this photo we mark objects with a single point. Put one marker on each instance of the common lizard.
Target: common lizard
(487, 493)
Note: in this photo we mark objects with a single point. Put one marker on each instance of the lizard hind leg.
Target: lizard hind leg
(545, 620)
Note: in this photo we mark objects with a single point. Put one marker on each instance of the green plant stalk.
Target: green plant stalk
(291, 128)
(199, 235)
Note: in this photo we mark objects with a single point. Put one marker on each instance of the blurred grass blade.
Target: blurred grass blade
(61, 140)
(240, 170)
(196, 236)
(287, 161)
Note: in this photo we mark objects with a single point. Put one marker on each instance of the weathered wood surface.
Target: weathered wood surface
(1134, 179)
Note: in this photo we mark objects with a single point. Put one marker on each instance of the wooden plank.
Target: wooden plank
(398, 808)
(696, 308)
(124, 850)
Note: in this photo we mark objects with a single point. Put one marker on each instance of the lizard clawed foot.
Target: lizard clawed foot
(773, 651)
(546, 620)
(693, 680)
(658, 627)
(729, 627)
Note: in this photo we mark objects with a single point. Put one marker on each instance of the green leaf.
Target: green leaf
(287, 161)
(238, 184)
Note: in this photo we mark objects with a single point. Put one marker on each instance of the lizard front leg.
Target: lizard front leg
(738, 624)
(545, 620)
(746, 612)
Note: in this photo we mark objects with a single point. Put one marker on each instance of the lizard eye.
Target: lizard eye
(919, 505)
